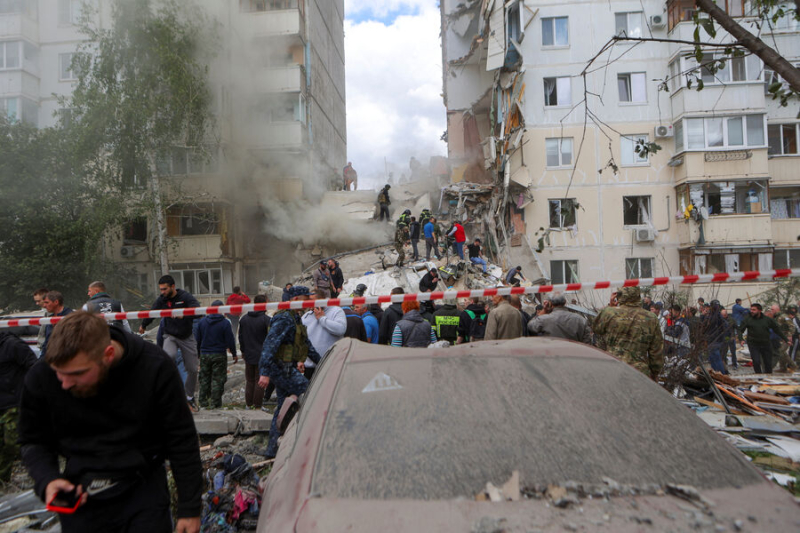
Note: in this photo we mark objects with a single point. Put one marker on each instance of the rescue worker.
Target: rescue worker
(384, 201)
(631, 333)
(405, 218)
(285, 349)
(16, 358)
(425, 216)
(401, 237)
(214, 336)
(445, 321)
(472, 322)
(101, 302)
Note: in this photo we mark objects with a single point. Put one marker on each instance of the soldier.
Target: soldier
(282, 359)
(781, 348)
(384, 201)
(631, 333)
(401, 237)
(214, 336)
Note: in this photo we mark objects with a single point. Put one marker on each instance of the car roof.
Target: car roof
(441, 423)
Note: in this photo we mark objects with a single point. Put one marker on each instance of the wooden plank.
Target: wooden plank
(717, 406)
(768, 398)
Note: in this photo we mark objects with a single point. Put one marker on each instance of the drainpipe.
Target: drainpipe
(669, 217)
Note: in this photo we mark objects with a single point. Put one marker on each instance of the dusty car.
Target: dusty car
(390, 439)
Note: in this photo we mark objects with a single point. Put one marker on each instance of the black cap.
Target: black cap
(519, 268)
(360, 289)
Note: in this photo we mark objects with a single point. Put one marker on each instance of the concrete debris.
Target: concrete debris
(224, 442)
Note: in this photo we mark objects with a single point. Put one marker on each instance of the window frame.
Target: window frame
(629, 76)
(628, 14)
(68, 71)
(558, 99)
(567, 275)
(193, 288)
(560, 141)
(554, 33)
(685, 130)
(562, 204)
(73, 10)
(636, 160)
(4, 46)
(638, 267)
(649, 209)
(781, 142)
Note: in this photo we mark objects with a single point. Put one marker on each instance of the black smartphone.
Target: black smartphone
(64, 502)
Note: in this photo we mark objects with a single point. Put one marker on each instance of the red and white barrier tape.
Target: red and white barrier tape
(424, 296)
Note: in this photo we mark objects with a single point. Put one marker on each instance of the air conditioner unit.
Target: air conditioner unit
(658, 21)
(664, 131)
(127, 252)
(645, 235)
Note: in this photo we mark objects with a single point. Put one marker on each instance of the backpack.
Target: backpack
(477, 327)
(382, 198)
(296, 352)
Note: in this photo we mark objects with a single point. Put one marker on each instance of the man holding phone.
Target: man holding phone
(113, 406)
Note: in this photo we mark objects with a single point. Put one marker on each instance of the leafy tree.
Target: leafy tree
(142, 90)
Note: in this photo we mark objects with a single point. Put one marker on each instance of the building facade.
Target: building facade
(278, 80)
(540, 99)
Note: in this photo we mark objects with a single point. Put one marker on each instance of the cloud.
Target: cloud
(394, 83)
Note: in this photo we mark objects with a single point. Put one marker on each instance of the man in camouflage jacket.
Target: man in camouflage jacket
(401, 237)
(631, 333)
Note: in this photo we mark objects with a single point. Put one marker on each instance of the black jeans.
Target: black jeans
(762, 357)
(142, 509)
(384, 210)
(731, 345)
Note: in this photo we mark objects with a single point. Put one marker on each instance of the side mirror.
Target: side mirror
(287, 413)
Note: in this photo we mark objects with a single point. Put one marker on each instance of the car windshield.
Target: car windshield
(440, 428)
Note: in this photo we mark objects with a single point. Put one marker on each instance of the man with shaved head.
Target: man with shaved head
(561, 323)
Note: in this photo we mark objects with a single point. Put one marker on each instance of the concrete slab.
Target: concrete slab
(232, 421)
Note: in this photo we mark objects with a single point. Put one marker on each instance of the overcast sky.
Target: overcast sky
(393, 62)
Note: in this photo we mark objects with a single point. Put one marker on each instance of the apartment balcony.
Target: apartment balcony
(745, 97)
(19, 82)
(277, 23)
(786, 231)
(783, 170)
(289, 79)
(195, 248)
(728, 230)
(17, 25)
(279, 135)
(722, 164)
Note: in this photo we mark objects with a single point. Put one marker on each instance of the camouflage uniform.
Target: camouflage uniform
(632, 334)
(9, 449)
(401, 236)
(780, 348)
(213, 375)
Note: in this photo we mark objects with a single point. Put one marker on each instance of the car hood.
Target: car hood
(761, 507)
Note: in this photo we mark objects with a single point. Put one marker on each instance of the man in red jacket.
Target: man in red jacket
(237, 298)
(457, 231)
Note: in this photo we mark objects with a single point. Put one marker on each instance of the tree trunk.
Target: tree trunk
(161, 225)
(770, 57)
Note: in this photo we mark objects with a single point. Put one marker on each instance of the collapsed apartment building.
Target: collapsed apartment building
(552, 156)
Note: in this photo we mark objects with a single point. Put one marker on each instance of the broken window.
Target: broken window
(632, 149)
(636, 210)
(557, 91)
(726, 197)
(199, 281)
(564, 272)
(555, 31)
(558, 152)
(516, 24)
(193, 220)
(628, 24)
(135, 231)
(714, 263)
(562, 213)
(637, 267)
(632, 87)
(784, 202)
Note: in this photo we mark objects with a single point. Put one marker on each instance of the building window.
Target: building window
(253, 6)
(628, 24)
(745, 68)
(636, 268)
(516, 24)
(558, 152)
(723, 132)
(731, 263)
(562, 213)
(683, 10)
(632, 87)
(632, 149)
(678, 130)
(9, 54)
(784, 203)
(181, 161)
(782, 139)
(746, 197)
(66, 72)
(636, 210)
(564, 272)
(555, 31)
(16, 109)
(25, 7)
(786, 258)
(135, 231)
(188, 220)
(69, 12)
(199, 281)
(557, 92)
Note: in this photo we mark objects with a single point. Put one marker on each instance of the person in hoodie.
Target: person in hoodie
(472, 322)
(412, 331)
(355, 325)
(286, 296)
(16, 358)
(236, 298)
(253, 329)
(390, 317)
(325, 327)
(214, 336)
(178, 331)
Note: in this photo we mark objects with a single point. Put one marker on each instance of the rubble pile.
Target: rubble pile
(757, 413)
(233, 501)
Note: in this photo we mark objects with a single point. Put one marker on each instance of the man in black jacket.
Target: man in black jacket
(101, 302)
(178, 331)
(390, 318)
(430, 281)
(414, 232)
(253, 329)
(16, 358)
(112, 405)
(355, 325)
(337, 278)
